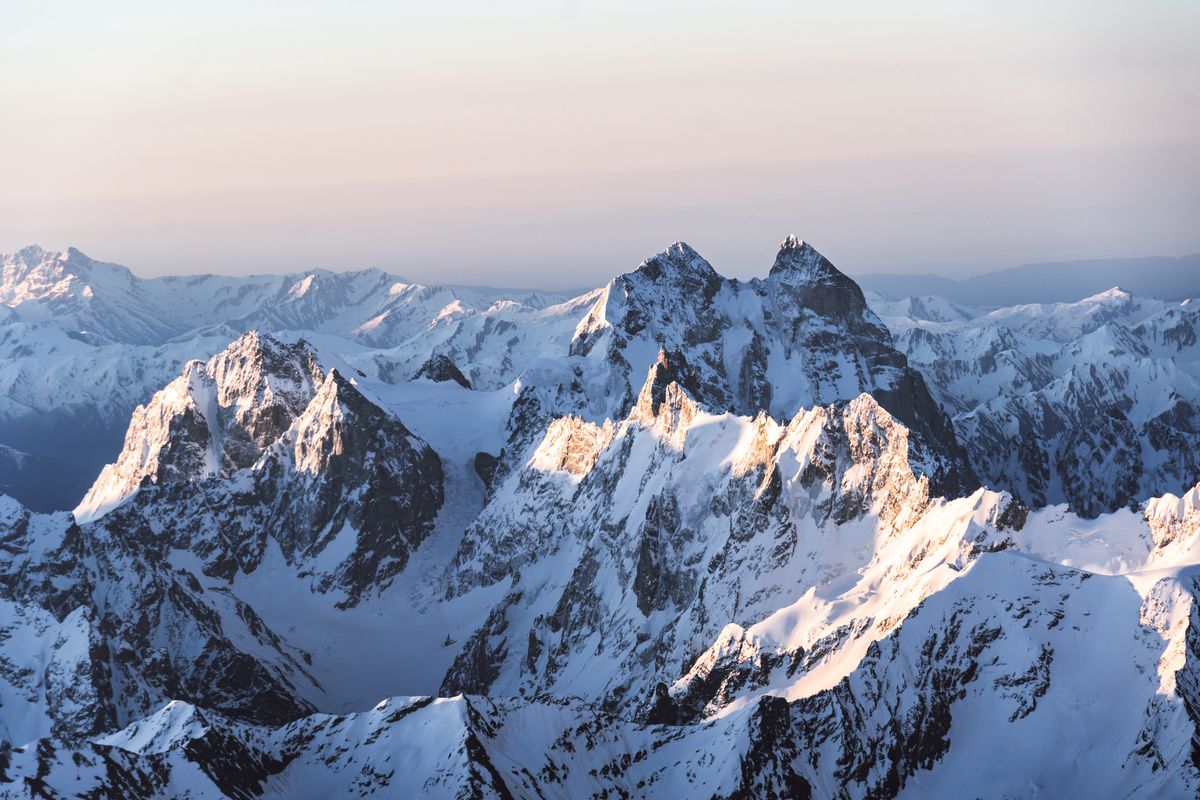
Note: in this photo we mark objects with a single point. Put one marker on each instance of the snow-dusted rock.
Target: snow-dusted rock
(685, 535)
(214, 419)
(1095, 403)
(801, 337)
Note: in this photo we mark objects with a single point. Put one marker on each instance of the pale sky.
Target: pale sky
(558, 143)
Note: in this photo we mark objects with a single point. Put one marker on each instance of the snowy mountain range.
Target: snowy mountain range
(1095, 404)
(342, 535)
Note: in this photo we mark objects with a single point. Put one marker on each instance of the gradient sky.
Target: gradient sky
(559, 143)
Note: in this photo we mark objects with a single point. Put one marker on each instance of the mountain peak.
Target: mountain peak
(71, 261)
(1114, 295)
(260, 345)
(670, 382)
(441, 368)
(215, 418)
(679, 260)
(335, 398)
(812, 282)
(799, 261)
(77, 255)
(31, 254)
(794, 242)
(266, 353)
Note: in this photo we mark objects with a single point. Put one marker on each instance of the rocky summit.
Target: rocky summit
(344, 535)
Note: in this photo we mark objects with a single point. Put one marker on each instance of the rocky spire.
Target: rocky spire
(798, 264)
(215, 418)
(678, 263)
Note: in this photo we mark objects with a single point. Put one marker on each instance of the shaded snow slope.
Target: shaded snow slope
(1094, 403)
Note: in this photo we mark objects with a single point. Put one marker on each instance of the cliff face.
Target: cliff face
(214, 419)
(802, 337)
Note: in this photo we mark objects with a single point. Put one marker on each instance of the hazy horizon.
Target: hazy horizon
(755, 270)
(555, 144)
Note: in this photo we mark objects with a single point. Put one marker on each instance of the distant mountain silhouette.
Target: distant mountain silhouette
(1163, 277)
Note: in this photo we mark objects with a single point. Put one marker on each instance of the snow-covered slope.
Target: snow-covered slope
(88, 297)
(214, 419)
(1094, 403)
(983, 640)
(801, 337)
(680, 536)
(82, 343)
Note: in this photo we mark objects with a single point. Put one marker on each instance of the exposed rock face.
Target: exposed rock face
(125, 632)
(713, 537)
(440, 368)
(1173, 520)
(1094, 404)
(83, 343)
(339, 487)
(347, 467)
(345, 475)
(688, 513)
(215, 419)
(802, 337)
